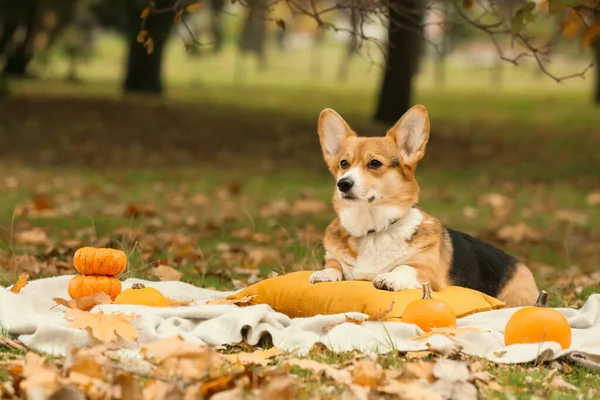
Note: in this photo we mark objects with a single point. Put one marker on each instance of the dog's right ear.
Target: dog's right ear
(333, 130)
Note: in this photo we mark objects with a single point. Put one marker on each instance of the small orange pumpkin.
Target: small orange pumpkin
(428, 313)
(84, 285)
(99, 261)
(142, 295)
(538, 323)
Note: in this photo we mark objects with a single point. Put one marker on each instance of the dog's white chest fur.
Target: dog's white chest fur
(383, 251)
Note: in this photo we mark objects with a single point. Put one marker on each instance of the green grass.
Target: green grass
(92, 153)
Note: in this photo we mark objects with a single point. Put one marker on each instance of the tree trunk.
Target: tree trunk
(18, 60)
(216, 24)
(144, 71)
(8, 31)
(254, 33)
(402, 60)
(597, 69)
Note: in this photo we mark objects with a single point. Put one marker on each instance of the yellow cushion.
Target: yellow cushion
(294, 296)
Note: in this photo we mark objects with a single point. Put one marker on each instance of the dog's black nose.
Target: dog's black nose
(345, 184)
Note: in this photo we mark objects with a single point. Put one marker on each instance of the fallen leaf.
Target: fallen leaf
(35, 237)
(216, 385)
(593, 199)
(453, 380)
(279, 388)
(20, 283)
(573, 217)
(224, 300)
(559, 383)
(258, 357)
(422, 369)
(412, 355)
(30, 264)
(410, 391)
(104, 327)
(367, 373)
(179, 303)
(518, 233)
(319, 369)
(166, 273)
(84, 303)
(309, 206)
(447, 332)
(501, 205)
(5, 341)
(38, 376)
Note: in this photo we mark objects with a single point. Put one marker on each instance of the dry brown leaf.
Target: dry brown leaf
(572, 217)
(166, 273)
(257, 256)
(179, 303)
(278, 389)
(501, 205)
(87, 366)
(159, 390)
(447, 332)
(422, 369)
(30, 264)
(246, 300)
(318, 369)
(104, 327)
(216, 385)
(20, 283)
(84, 303)
(418, 355)
(5, 341)
(410, 391)
(35, 237)
(258, 357)
(367, 373)
(593, 199)
(518, 233)
(39, 376)
(559, 383)
(309, 206)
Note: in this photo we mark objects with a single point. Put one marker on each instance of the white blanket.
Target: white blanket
(34, 318)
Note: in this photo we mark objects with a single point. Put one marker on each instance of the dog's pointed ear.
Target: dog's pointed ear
(333, 130)
(411, 134)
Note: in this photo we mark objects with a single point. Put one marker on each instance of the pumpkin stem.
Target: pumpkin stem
(138, 286)
(426, 291)
(542, 299)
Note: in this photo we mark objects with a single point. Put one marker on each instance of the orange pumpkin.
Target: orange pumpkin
(84, 285)
(99, 261)
(142, 295)
(538, 323)
(428, 313)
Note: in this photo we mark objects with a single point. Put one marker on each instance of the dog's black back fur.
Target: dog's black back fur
(478, 265)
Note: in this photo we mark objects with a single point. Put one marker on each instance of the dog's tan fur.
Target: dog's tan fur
(365, 231)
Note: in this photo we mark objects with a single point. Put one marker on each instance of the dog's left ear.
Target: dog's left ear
(333, 130)
(411, 134)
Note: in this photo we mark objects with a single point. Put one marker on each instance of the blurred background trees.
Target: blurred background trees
(394, 35)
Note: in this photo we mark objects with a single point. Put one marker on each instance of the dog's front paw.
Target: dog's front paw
(325, 275)
(403, 277)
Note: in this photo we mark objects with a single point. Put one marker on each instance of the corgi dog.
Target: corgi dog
(383, 236)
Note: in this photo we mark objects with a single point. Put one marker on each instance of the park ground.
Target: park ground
(223, 178)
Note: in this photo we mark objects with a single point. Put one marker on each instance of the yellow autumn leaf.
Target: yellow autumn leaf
(20, 283)
(142, 35)
(145, 13)
(104, 327)
(590, 35)
(193, 7)
(149, 45)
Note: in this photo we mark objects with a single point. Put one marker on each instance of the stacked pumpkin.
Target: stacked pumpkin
(98, 268)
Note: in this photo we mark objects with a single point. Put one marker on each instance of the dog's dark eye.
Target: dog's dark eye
(374, 164)
(344, 164)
